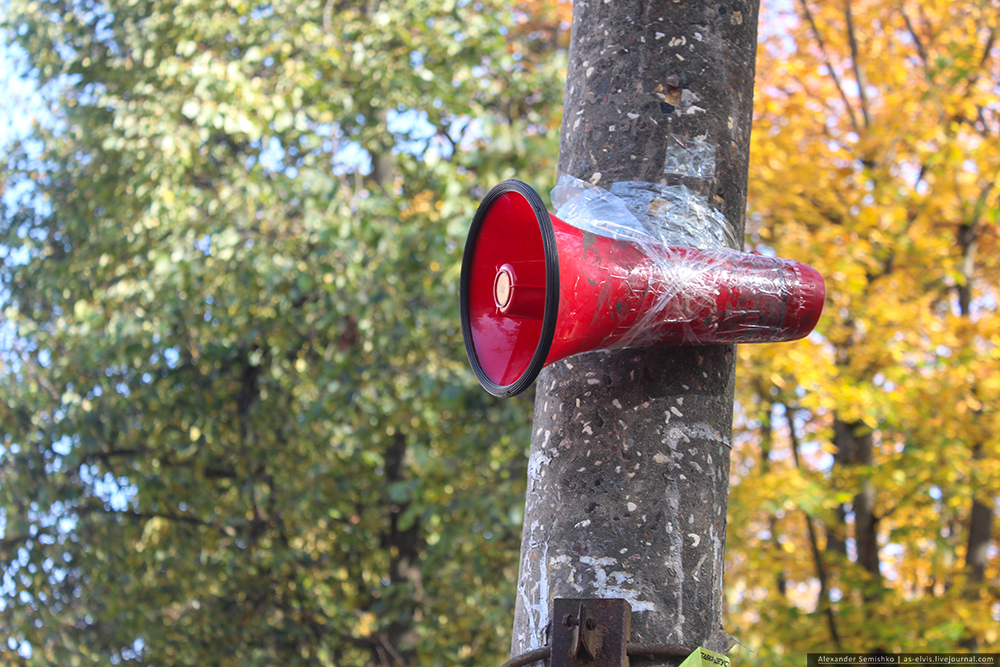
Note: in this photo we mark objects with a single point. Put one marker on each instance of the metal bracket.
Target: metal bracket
(591, 632)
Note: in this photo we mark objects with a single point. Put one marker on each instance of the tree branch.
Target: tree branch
(855, 61)
(829, 64)
(823, 600)
(916, 40)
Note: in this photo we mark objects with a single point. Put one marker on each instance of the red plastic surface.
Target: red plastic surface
(613, 293)
(509, 235)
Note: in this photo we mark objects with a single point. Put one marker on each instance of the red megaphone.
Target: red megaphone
(535, 290)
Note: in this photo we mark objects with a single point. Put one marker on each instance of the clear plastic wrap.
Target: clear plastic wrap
(686, 285)
(644, 213)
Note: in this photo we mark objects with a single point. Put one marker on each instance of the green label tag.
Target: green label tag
(702, 657)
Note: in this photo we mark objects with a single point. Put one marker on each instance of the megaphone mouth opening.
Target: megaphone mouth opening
(509, 289)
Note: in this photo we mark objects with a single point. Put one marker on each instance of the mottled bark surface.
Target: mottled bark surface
(629, 468)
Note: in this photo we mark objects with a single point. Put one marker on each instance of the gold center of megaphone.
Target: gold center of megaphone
(502, 287)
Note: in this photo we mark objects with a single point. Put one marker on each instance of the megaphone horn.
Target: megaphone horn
(535, 289)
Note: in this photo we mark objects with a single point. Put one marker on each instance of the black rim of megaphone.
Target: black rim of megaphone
(551, 288)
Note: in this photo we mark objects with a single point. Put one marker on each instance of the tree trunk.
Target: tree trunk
(980, 515)
(980, 534)
(405, 546)
(854, 448)
(628, 474)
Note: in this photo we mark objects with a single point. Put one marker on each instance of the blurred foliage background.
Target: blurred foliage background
(237, 423)
(868, 478)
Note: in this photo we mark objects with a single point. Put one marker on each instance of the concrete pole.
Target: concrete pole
(628, 476)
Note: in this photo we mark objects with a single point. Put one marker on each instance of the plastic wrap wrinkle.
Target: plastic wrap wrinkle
(694, 157)
(685, 283)
(644, 213)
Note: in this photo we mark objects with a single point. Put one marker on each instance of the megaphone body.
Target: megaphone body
(535, 289)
